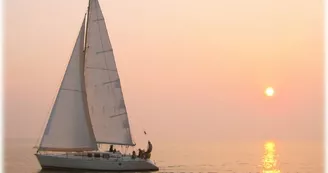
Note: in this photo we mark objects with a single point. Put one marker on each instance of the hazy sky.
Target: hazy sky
(189, 69)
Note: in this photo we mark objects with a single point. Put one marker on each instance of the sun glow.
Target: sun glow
(269, 91)
(269, 159)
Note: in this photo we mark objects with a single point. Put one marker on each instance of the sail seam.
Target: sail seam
(104, 51)
(71, 90)
(111, 81)
(97, 68)
(96, 20)
(113, 116)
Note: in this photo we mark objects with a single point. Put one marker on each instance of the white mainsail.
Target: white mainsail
(69, 127)
(104, 94)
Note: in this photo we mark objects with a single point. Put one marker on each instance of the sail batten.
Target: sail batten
(103, 87)
(68, 127)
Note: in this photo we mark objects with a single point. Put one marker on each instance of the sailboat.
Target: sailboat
(89, 109)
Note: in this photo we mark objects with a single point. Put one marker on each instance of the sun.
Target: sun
(269, 91)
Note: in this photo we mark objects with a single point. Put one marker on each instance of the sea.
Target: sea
(201, 156)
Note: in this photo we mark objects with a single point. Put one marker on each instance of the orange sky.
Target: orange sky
(189, 69)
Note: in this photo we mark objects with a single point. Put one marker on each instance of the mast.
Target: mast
(86, 33)
(85, 100)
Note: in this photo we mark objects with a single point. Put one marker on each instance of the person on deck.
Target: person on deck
(139, 153)
(142, 154)
(111, 148)
(133, 155)
(150, 147)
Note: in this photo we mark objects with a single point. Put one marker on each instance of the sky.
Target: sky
(190, 70)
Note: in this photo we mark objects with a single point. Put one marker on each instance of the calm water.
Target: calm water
(179, 157)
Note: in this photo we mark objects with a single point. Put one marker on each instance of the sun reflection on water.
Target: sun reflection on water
(269, 159)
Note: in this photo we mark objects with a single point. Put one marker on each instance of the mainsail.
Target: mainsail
(69, 127)
(104, 93)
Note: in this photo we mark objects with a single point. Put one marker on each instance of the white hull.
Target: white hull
(63, 161)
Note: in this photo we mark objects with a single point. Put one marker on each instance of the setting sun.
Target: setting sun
(269, 91)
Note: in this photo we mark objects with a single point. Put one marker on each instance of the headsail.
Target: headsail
(69, 127)
(104, 93)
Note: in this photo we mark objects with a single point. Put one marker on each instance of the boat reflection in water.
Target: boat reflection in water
(269, 159)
